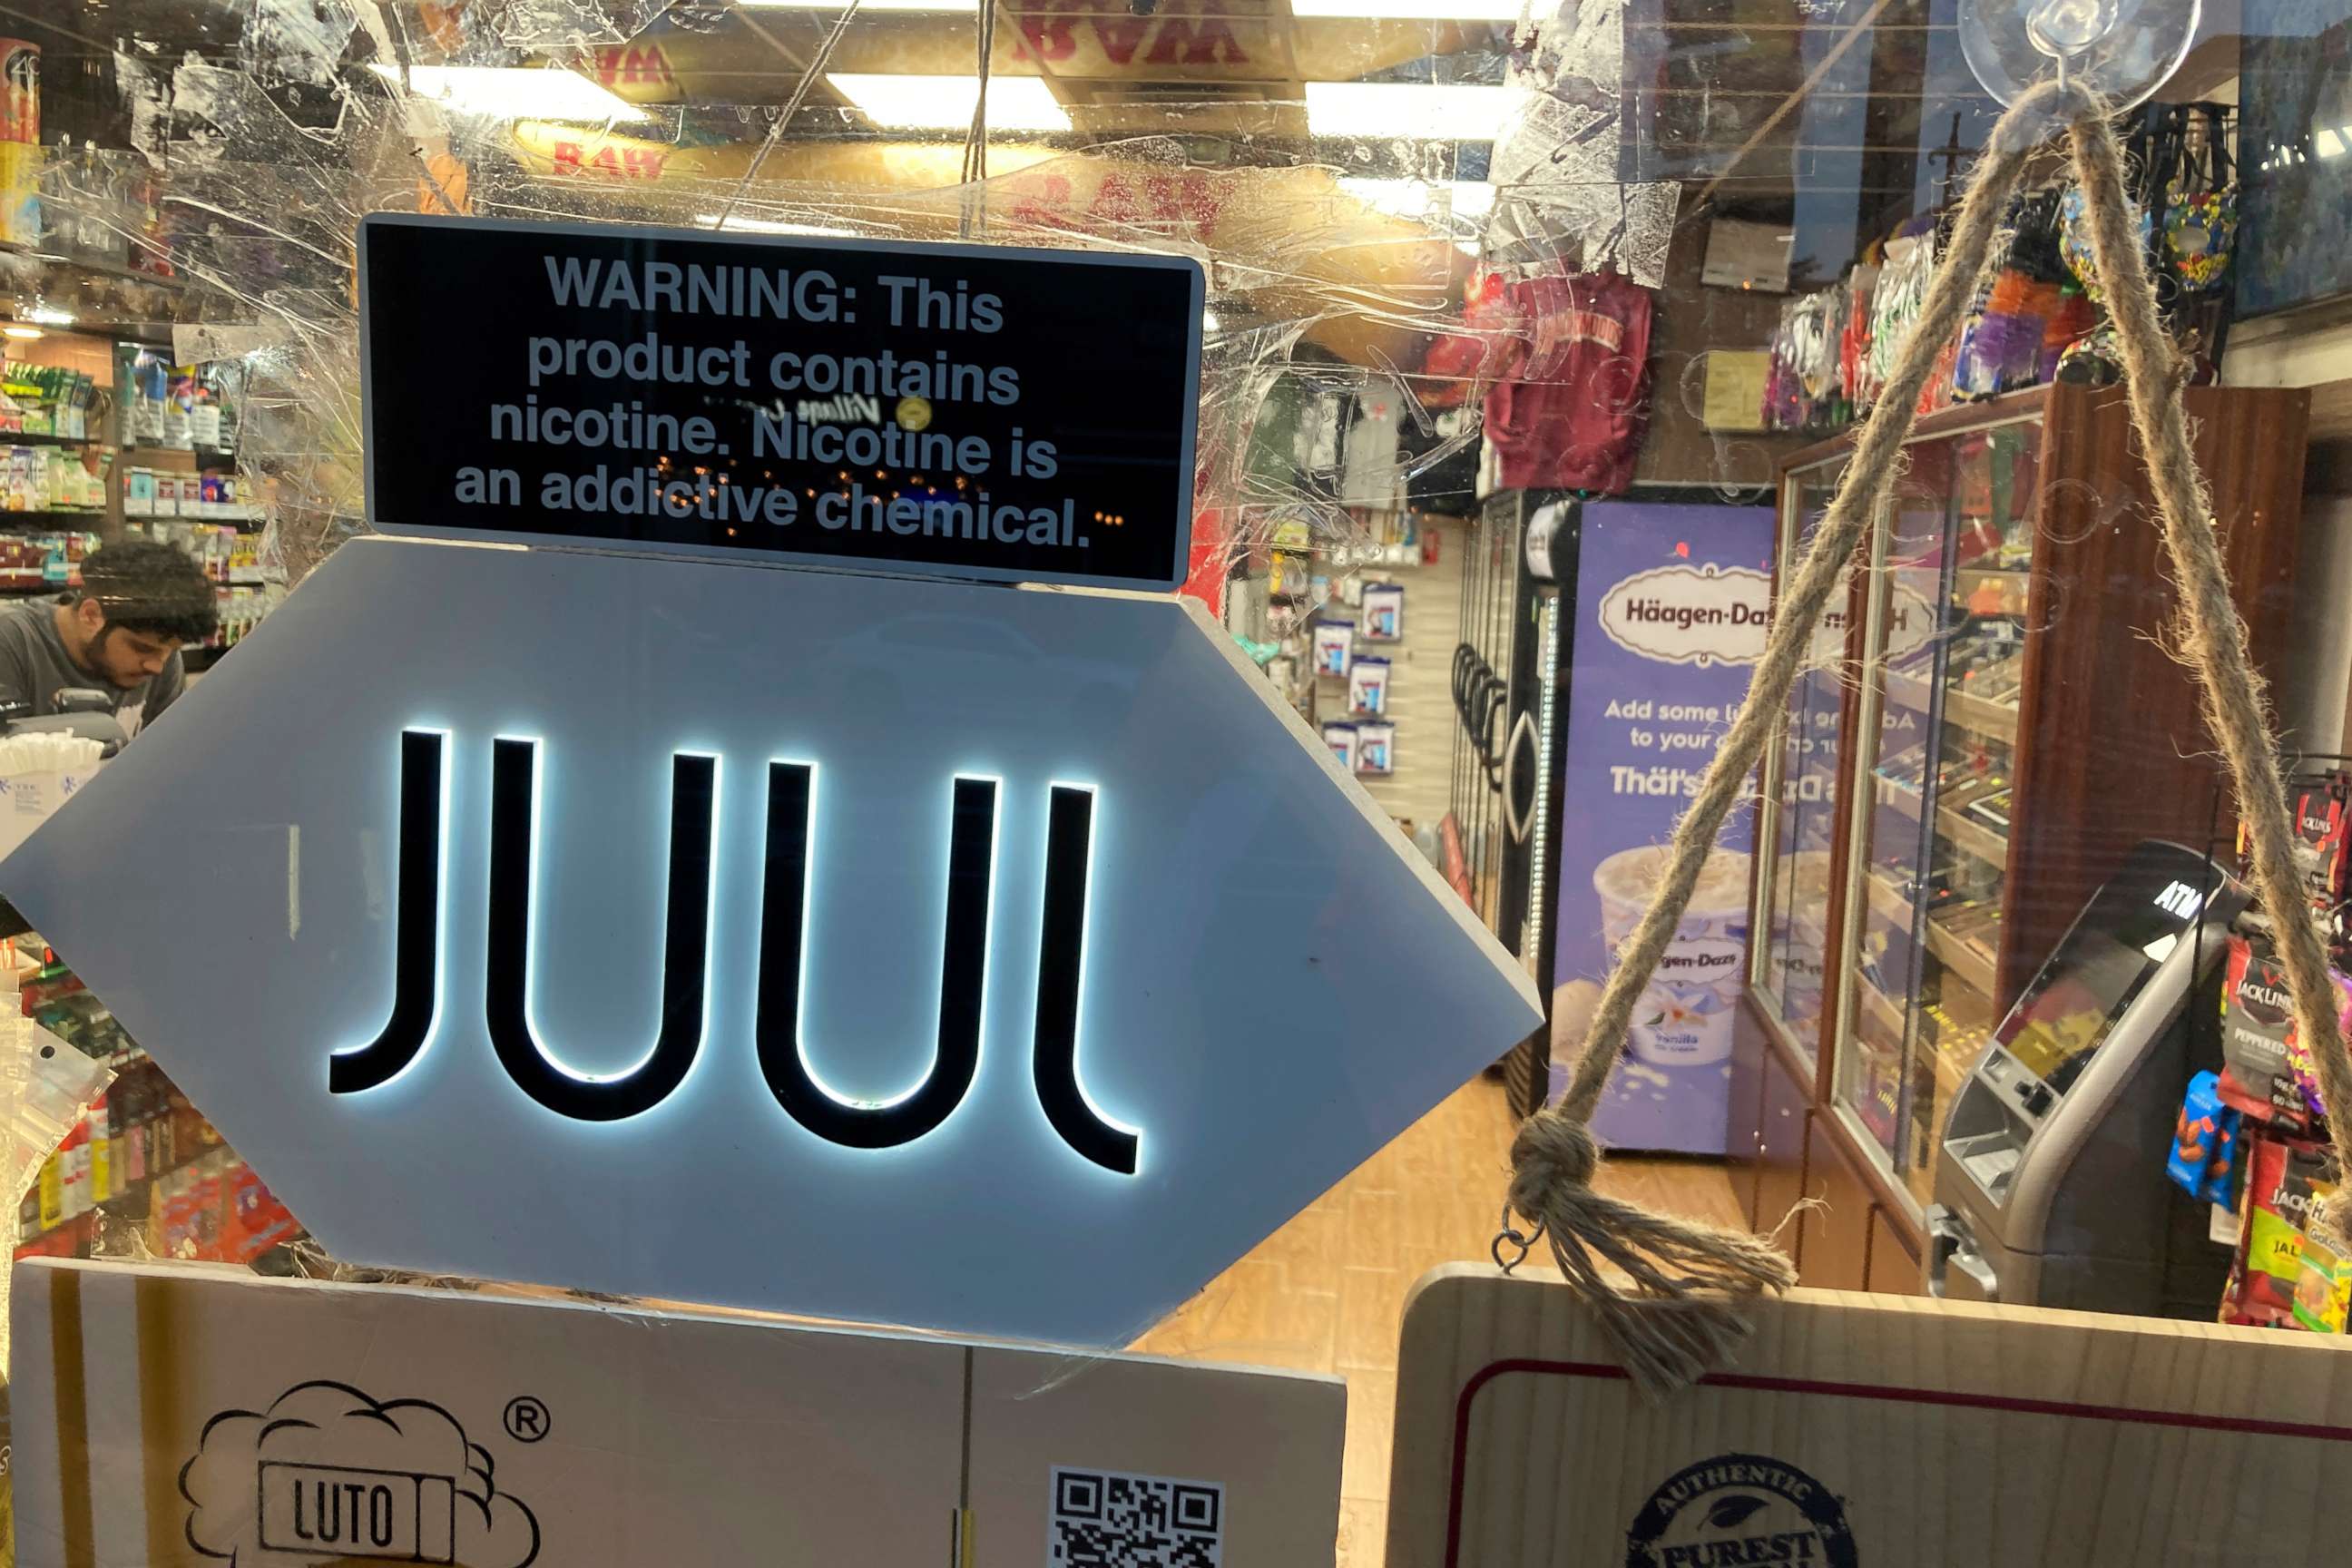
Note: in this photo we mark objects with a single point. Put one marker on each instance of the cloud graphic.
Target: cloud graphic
(326, 1469)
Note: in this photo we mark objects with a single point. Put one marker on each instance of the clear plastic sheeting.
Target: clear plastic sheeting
(1344, 179)
(45, 1089)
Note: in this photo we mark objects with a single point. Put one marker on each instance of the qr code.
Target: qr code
(1103, 1520)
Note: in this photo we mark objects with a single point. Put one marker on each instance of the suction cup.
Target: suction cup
(2122, 50)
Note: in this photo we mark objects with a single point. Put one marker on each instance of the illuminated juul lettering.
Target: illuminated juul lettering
(416, 943)
(783, 982)
(685, 942)
(784, 958)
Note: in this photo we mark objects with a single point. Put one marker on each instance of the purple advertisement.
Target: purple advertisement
(1671, 606)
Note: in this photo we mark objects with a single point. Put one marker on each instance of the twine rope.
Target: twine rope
(2213, 634)
(1692, 1282)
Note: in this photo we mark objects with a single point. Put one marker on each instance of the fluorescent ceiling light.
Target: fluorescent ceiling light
(1419, 198)
(515, 92)
(25, 334)
(1448, 112)
(736, 221)
(944, 102)
(43, 316)
(1401, 10)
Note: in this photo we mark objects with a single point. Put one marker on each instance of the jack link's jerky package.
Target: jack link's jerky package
(2267, 1071)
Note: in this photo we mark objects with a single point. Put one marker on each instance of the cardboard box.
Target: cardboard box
(178, 1417)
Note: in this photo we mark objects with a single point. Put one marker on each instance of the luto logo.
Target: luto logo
(541, 1073)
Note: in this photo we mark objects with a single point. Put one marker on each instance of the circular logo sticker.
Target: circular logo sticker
(1740, 1507)
(913, 414)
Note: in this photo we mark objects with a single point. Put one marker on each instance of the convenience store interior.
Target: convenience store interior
(1507, 308)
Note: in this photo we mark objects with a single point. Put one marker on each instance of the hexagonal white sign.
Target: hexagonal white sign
(942, 954)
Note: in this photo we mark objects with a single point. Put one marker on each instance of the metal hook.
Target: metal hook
(1524, 1241)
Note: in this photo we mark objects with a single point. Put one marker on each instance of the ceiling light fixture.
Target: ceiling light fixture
(736, 221)
(45, 316)
(945, 102)
(1419, 198)
(967, 8)
(1408, 10)
(513, 92)
(1434, 112)
(20, 334)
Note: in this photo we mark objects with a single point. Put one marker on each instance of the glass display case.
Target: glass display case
(1945, 620)
(1991, 723)
(1789, 963)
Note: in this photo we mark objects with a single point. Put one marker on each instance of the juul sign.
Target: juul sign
(539, 1069)
(848, 946)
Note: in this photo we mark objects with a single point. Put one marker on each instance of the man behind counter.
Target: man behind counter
(119, 633)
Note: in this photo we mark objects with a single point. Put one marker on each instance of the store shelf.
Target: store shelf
(1881, 1008)
(54, 514)
(1903, 797)
(87, 327)
(1973, 968)
(43, 439)
(1980, 841)
(1911, 692)
(1887, 899)
(1981, 716)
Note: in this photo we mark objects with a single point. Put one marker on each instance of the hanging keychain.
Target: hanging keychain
(2070, 64)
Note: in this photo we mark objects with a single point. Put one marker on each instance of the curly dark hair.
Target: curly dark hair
(151, 588)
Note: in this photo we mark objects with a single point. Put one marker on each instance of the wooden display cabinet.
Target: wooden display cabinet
(1987, 728)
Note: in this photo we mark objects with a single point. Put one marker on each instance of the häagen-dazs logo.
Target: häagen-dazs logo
(1690, 614)
(340, 1479)
(1740, 1507)
(1719, 614)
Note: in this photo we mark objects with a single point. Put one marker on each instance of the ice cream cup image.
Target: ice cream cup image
(1684, 1019)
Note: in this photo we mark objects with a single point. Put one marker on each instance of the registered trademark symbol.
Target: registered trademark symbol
(527, 1419)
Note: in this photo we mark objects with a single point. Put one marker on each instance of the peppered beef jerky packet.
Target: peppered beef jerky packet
(2257, 1016)
(2322, 844)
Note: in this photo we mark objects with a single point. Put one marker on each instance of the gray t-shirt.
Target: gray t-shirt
(34, 666)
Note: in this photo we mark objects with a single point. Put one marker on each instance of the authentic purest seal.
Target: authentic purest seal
(1738, 1509)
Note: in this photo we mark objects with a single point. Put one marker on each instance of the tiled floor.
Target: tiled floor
(1326, 1291)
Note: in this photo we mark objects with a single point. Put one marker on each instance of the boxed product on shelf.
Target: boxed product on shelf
(1376, 748)
(1335, 643)
(1383, 607)
(1368, 687)
(1342, 739)
(47, 400)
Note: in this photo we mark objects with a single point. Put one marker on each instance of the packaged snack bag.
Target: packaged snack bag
(2325, 1290)
(2267, 1072)
(2203, 1138)
(2284, 1177)
(2219, 1188)
(2321, 842)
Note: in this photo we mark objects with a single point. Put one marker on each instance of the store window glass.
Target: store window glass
(1801, 779)
(1533, 342)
